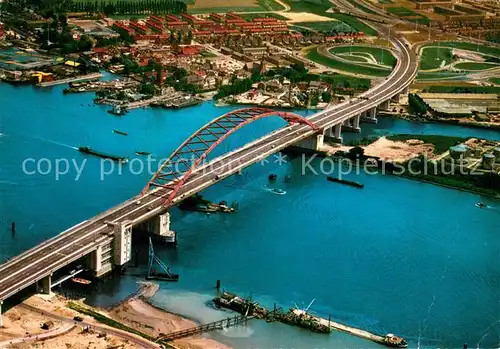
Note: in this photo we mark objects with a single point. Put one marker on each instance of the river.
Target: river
(399, 256)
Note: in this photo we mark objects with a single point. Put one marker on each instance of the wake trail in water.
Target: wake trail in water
(57, 143)
(487, 332)
(49, 141)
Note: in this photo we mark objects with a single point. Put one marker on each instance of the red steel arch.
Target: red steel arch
(174, 172)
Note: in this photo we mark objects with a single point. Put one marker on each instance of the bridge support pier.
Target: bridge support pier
(385, 105)
(122, 244)
(45, 285)
(406, 90)
(334, 132)
(396, 98)
(315, 142)
(371, 116)
(352, 125)
(159, 228)
(1, 315)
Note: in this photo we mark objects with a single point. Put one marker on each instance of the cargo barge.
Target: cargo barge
(89, 150)
(346, 182)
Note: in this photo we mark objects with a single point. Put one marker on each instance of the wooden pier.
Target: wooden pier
(212, 326)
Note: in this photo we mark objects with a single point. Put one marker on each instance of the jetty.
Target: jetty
(212, 326)
(300, 318)
(92, 76)
(150, 101)
(96, 86)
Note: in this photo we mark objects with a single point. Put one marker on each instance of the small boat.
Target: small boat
(344, 181)
(81, 281)
(120, 132)
(272, 177)
(117, 110)
(278, 191)
(145, 153)
(481, 205)
(89, 150)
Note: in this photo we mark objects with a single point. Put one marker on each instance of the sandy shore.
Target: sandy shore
(24, 324)
(389, 150)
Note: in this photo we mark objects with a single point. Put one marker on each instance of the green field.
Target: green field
(401, 11)
(432, 57)
(315, 56)
(264, 5)
(320, 9)
(362, 7)
(462, 89)
(385, 2)
(472, 66)
(422, 76)
(251, 16)
(494, 51)
(326, 26)
(494, 80)
(381, 55)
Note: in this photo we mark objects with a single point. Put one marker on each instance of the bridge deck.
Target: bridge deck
(82, 239)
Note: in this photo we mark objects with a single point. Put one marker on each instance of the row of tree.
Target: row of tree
(417, 104)
(134, 7)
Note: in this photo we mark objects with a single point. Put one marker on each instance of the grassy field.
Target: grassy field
(494, 51)
(251, 16)
(326, 26)
(207, 6)
(385, 2)
(441, 143)
(472, 66)
(339, 80)
(432, 57)
(464, 89)
(362, 7)
(315, 56)
(381, 55)
(441, 76)
(494, 80)
(401, 11)
(319, 9)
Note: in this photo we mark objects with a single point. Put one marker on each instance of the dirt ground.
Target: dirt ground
(135, 312)
(398, 151)
(142, 316)
(297, 17)
(390, 150)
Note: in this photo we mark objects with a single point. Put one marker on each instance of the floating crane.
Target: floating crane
(165, 274)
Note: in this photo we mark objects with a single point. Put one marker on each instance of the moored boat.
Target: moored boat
(142, 153)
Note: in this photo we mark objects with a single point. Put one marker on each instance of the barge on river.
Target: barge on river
(346, 182)
(89, 150)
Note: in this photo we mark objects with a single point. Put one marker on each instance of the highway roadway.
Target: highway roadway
(42, 260)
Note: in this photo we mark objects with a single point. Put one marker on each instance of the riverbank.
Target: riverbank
(448, 121)
(22, 323)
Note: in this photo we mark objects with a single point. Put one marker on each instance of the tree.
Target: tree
(326, 97)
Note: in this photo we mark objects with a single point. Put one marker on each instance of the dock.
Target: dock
(94, 86)
(68, 80)
(212, 326)
(148, 102)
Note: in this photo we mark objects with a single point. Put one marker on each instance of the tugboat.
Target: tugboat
(272, 177)
(89, 150)
(481, 205)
